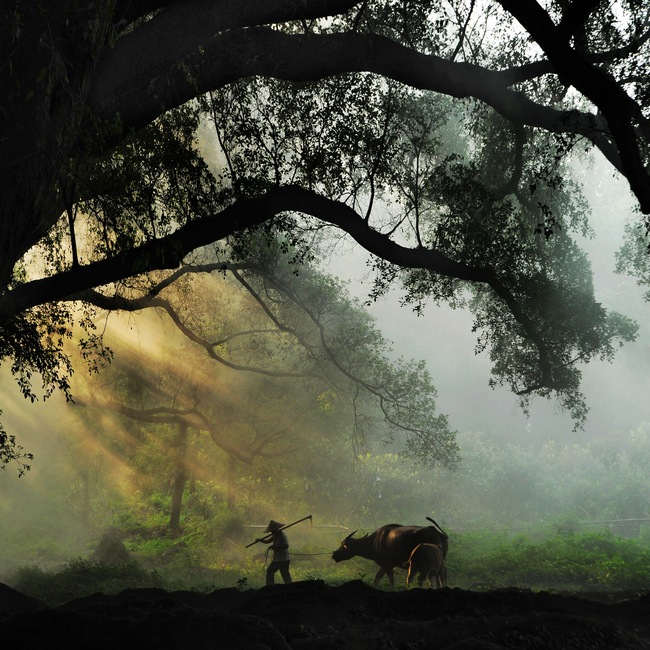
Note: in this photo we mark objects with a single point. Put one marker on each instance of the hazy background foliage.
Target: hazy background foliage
(530, 501)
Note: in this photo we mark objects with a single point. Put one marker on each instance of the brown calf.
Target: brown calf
(428, 561)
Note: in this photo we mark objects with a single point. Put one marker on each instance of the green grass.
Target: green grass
(582, 562)
(579, 563)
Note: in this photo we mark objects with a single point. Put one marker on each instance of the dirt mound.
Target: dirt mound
(313, 615)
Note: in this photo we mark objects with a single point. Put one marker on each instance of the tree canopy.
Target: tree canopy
(438, 136)
(265, 351)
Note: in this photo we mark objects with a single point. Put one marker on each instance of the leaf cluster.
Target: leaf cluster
(153, 183)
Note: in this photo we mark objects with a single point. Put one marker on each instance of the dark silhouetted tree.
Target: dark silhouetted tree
(327, 113)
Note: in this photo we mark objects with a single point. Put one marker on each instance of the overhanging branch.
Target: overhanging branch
(620, 111)
(151, 301)
(168, 252)
(139, 97)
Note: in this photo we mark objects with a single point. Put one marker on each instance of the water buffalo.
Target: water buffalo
(428, 562)
(391, 546)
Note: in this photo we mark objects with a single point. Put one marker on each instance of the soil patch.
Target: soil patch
(314, 615)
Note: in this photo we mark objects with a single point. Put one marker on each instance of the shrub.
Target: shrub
(81, 578)
(577, 561)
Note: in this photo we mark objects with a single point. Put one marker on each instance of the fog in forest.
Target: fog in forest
(515, 471)
(615, 392)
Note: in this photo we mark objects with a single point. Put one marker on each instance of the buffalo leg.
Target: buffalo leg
(385, 571)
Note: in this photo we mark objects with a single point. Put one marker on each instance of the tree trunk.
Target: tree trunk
(179, 479)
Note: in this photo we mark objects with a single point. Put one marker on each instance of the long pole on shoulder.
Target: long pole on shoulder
(269, 537)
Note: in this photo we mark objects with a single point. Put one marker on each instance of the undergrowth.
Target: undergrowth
(81, 578)
(575, 562)
(588, 562)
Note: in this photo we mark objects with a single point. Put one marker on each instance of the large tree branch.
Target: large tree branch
(164, 253)
(620, 111)
(140, 96)
(575, 16)
(186, 28)
(170, 251)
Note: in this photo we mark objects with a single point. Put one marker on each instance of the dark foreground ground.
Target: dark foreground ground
(313, 615)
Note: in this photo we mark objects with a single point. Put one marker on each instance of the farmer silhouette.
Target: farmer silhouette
(280, 548)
